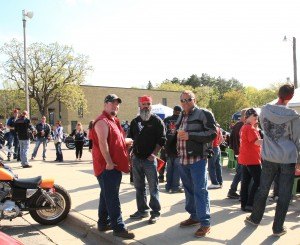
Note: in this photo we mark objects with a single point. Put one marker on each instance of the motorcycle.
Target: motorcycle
(46, 202)
(70, 142)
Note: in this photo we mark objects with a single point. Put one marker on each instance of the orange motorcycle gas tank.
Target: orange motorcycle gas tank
(47, 183)
(5, 175)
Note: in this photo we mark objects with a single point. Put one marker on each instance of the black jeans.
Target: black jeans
(249, 172)
(286, 173)
(59, 155)
(79, 147)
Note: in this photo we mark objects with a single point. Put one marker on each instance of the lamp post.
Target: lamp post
(294, 60)
(29, 15)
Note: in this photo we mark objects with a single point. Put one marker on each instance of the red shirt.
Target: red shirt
(218, 140)
(250, 153)
(116, 145)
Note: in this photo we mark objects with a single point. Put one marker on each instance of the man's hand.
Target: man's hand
(129, 142)
(182, 135)
(298, 166)
(110, 166)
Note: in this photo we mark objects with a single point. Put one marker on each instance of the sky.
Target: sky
(131, 42)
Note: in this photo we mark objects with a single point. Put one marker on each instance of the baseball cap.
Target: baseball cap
(177, 108)
(250, 112)
(111, 98)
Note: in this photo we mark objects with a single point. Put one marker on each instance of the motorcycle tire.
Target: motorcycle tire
(52, 216)
(70, 146)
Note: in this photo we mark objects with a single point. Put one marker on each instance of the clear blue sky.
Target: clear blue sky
(130, 42)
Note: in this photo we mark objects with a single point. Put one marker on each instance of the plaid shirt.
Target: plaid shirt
(181, 147)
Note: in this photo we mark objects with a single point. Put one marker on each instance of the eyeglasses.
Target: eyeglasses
(186, 100)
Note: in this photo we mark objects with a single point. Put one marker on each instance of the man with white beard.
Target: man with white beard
(148, 132)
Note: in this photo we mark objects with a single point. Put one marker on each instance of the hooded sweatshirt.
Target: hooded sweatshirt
(281, 127)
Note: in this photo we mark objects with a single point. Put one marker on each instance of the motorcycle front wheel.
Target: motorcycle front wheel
(53, 215)
(70, 145)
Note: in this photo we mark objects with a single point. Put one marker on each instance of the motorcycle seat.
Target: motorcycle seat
(29, 183)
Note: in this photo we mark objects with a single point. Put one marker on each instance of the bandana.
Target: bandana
(145, 98)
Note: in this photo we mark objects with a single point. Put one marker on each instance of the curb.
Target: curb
(87, 228)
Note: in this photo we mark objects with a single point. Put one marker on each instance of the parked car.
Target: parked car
(70, 142)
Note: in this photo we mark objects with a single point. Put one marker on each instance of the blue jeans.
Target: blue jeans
(24, 148)
(12, 139)
(173, 178)
(109, 210)
(144, 168)
(59, 155)
(194, 180)
(38, 142)
(286, 178)
(237, 178)
(215, 168)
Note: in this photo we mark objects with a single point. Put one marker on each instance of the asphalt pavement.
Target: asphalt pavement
(227, 220)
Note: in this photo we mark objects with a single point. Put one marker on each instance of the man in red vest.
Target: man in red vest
(110, 159)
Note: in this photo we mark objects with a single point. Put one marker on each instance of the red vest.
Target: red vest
(116, 145)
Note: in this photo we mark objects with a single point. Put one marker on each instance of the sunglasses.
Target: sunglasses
(186, 100)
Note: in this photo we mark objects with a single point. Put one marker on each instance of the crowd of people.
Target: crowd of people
(266, 147)
(190, 140)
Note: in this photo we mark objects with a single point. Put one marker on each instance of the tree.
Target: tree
(169, 86)
(11, 98)
(175, 80)
(149, 85)
(193, 81)
(231, 102)
(54, 73)
(259, 97)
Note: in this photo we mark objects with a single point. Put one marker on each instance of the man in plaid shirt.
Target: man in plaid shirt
(196, 131)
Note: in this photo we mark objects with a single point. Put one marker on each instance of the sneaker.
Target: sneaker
(278, 234)
(44, 158)
(189, 222)
(179, 190)
(27, 166)
(250, 221)
(139, 215)
(247, 209)
(126, 234)
(104, 228)
(212, 186)
(202, 231)
(233, 195)
(32, 158)
(153, 219)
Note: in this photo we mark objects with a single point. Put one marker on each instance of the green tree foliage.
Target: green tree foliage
(169, 86)
(149, 85)
(258, 98)
(231, 102)
(11, 98)
(54, 72)
(205, 96)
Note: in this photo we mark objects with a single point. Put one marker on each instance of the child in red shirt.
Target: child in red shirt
(250, 158)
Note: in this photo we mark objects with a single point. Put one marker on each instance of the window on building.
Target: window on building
(80, 112)
(164, 101)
